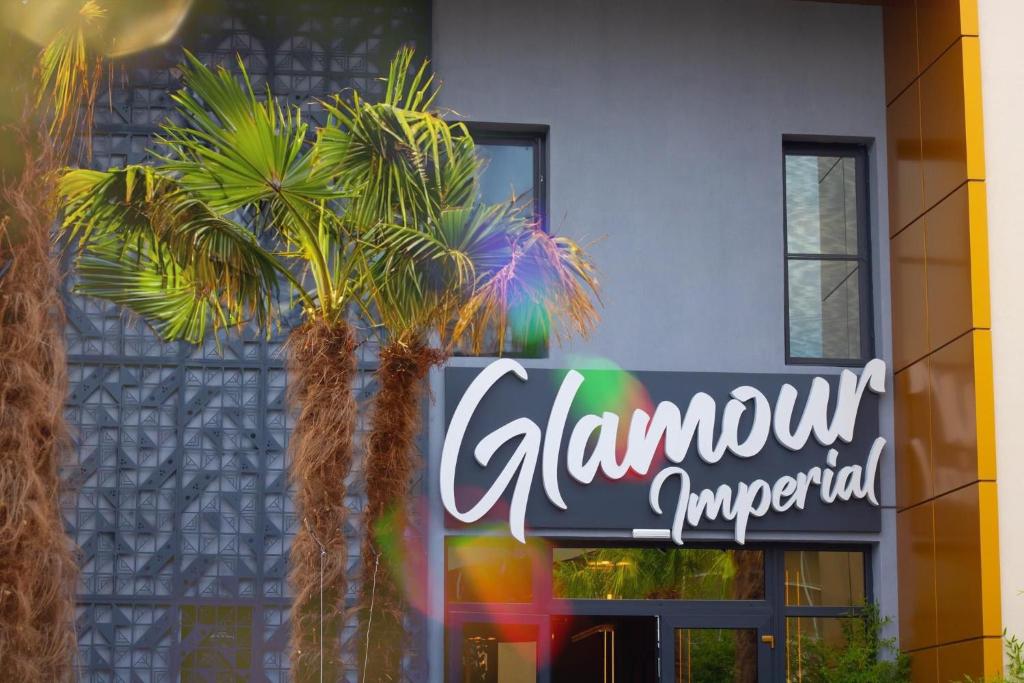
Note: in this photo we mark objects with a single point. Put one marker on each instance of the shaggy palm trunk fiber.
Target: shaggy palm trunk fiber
(390, 461)
(37, 559)
(322, 369)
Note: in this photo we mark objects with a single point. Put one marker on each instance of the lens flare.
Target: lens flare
(128, 26)
(607, 388)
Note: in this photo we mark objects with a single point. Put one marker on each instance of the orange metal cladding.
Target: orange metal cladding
(948, 539)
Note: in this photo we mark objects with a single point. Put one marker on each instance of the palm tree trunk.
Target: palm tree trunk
(391, 460)
(322, 369)
(37, 559)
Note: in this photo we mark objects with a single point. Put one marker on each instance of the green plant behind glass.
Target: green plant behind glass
(646, 574)
(863, 656)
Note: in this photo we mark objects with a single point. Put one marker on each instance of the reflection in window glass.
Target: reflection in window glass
(510, 168)
(821, 205)
(658, 574)
(811, 642)
(824, 309)
(489, 570)
(499, 653)
(826, 257)
(824, 578)
(508, 171)
(713, 655)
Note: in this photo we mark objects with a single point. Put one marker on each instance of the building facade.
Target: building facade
(776, 193)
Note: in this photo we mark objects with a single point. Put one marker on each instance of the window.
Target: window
(638, 573)
(593, 611)
(825, 591)
(515, 166)
(828, 273)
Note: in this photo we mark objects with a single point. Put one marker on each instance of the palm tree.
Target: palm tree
(40, 117)
(441, 269)
(236, 203)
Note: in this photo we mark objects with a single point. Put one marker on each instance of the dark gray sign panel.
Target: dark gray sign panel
(624, 504)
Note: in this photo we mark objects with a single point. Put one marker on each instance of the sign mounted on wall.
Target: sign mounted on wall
(556, 450)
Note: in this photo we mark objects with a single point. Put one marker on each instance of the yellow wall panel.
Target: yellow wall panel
(909, 295)
(911, 394)
(916, 577)
(973, 115)
(984, 405)
(906, 189)
(980, 287)
(991, 601)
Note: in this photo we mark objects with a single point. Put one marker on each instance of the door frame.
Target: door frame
(717, 618)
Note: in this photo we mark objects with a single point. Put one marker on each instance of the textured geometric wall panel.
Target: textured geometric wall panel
(180, 500)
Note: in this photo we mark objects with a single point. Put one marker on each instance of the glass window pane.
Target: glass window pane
(222, 642)
(713, 655)
(507, 171)
(824, 309)
(657, 574)
(811, 642)
(604, 648)
(489, 570)
(824, 578)
(499, 653)
(821, 205)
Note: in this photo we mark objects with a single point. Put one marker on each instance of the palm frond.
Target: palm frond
(139, 212)
(68, 75)
(543, 285)
(166, 296)
(235, 149)
(399, 158)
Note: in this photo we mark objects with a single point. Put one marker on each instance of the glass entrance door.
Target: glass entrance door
(711, 648)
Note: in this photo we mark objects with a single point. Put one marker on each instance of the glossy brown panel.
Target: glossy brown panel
(947, 91)
(899, 24)
(940, 23)
(909, 295)
(957, 459)
(912, 398)
(951, 241)
(958, 565)
(916, 580)
(979, 658)
(906, 193)
(924, 666)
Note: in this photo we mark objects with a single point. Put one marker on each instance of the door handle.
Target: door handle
(768, 640)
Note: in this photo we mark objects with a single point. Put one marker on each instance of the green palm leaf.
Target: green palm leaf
(167, 297)
(136, 216)
(235, 149)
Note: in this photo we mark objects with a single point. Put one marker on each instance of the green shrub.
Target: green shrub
(864, 657)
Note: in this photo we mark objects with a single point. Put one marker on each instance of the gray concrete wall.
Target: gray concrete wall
(667, 119)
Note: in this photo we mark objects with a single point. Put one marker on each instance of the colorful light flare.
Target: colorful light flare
(127, 26)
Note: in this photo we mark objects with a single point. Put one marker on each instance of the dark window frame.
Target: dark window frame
(536, 134)
(863, 257)
(493, 133)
